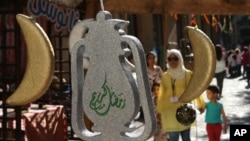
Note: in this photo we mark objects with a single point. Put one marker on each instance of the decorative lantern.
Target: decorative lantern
(185, 114)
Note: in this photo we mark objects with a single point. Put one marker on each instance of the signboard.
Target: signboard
(64, 18)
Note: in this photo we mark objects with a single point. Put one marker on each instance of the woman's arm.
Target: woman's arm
(200, 104)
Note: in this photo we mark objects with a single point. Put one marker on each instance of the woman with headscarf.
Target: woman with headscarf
(173, 84)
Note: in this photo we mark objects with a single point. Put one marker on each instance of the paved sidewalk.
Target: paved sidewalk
(236, 101)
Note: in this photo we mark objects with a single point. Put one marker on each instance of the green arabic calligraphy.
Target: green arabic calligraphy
(101, 106)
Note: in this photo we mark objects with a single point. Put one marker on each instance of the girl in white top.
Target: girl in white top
(154, 71)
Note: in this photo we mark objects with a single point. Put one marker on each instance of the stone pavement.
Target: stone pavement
(236, 101)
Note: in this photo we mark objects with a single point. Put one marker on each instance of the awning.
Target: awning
(179, 6)
(234, 7)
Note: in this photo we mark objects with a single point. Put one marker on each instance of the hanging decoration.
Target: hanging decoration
(193, 21)
(224, 25)
(175, 16)
(220, 26)
(203, 72)
(230, 30)
(206, 19)
(40, 58)
(215, 23)
(227, 25)
(109, 95)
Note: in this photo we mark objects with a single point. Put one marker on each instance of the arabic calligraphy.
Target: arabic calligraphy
(63, 18)
(102, 102)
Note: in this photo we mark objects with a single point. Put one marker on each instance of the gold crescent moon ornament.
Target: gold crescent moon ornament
(204, 64)
(40, 63)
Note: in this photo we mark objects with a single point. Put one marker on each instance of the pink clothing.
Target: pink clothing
(238, 59)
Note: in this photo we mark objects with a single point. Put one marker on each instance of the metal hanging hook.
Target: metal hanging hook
(102, 5)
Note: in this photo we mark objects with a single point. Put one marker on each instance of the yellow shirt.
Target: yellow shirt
(168, 109)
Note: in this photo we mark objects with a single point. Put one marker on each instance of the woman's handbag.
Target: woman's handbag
(185, 114)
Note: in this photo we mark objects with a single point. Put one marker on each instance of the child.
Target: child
(159, 136)
(214, 112)
(155, 91)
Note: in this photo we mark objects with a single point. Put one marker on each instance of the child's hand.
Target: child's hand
(224, 129)
(201, 110)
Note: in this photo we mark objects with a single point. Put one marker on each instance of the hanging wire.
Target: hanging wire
(102, 5)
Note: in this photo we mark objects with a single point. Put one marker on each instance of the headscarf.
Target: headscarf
(179, 71)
